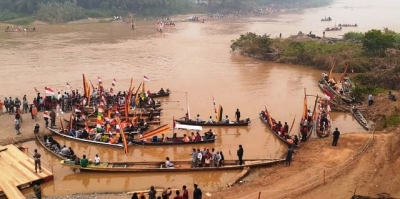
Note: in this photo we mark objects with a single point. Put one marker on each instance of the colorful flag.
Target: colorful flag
(48, 91)
(113, 86)
(99, 119)
(126, 149)
(146, 79)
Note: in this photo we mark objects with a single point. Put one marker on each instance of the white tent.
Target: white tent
(188, 127)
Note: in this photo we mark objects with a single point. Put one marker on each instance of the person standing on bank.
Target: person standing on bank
(36, 157)
(370, 100)
(240, 154)
(237, 114)
(197, 194)
(289, 156)
(336, 135)
(37, 190)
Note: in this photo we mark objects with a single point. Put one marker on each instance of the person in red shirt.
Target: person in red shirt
(178, 196)
(185, 194)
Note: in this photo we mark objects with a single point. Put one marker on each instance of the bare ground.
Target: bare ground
(346, 169)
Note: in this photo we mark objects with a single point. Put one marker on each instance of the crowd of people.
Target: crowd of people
(279, 129)
(167, 193)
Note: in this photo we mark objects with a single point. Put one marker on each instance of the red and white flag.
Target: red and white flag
(48, 91)
(146, 79)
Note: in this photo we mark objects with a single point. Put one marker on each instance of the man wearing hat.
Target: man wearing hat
(36, 157)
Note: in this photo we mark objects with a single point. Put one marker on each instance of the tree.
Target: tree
(375, 42)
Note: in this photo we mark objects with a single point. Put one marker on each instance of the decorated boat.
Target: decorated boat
(342, 89)
(360, 118)
(307, 119)
(271, 123)
(179, 166)
(205, 123)
(323, 122)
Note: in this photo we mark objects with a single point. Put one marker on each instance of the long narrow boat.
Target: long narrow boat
(171, 142)
(160, 94)
(41, 142)
(59, 132)
(324, 85)
(267, 120)
(133, 129)
(323, 128)
(180, 166)
(305, 122)
(360, 118)
(204, 123)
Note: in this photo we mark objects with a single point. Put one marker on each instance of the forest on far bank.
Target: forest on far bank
(69, 10)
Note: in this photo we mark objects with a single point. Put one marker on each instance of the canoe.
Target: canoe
(360, 118)
(204, 123)
(59, 133)
(42, 143)
(324, 86)
(157, 95)
(265, 121)
(133, 129)
(327, 131)
(171, 142)
(180, 166)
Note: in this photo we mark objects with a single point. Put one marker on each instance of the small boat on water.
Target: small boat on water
(159, 94)
(42, 143)
(172, 141)
(333, 29)
(179, 166)
(360, 118)
(270, 122)
(326, 19)
(205, 123)
(347, 25)
(324, 121)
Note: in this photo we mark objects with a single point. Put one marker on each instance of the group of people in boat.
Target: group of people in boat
(326, 19)
(281, 130)
(54, 146)
(348, 25)
(323, 117)
(333, 28)
(305, 126)
(193, 137)
(202, 158)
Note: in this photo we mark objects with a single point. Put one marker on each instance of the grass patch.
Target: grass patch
(104, 21)
(21, 21)
(361, 92)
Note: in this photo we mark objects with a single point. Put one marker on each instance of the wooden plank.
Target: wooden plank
(238, 177)
(11, 191)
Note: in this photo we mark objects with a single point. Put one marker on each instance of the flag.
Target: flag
(146, 79)
(86, 88)
(99, 119)
(36, 90)
(126, 149)
(215, 108)
(113, 86)
(219, 114)
(48, 91)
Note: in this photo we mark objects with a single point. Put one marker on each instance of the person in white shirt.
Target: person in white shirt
(199, 158)
(96, 160)
(168, 164)
(226, 120)
(210, 121)
(198, 120)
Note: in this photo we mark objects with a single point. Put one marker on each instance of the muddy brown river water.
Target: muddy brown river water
(194, 61)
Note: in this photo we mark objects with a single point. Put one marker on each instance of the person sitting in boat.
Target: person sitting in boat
(262, 114)
(192, 137)
(85, 134)
(64, 151)
(285, 128)
(309, 116)
(96, 160)
(198, 119)
(210, 121)
(72, 133)
(71, 154)
(55, 146)
(111, 140)
(198, 137)
(185, 138)
(325, 76)
(209, 134)
(175, 138)
(279, 125)
(168, 163)
(225, 120)
(161, 91)
(103, 138)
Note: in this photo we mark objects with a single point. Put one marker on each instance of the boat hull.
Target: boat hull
(273, 132)
(360, 119)
(244, 123)
(158, 95)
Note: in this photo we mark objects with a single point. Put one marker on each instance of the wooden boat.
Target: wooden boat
(326, 19)
(42, 143)
(171, 142)
(360, 118)
(204, 123)
(180, 166)
(347, 25)
(59, 133)
(324, 86)
(267, 120)
(160, 94)
(333, 29)
(90, 124)
(305, 122)
(321, 129)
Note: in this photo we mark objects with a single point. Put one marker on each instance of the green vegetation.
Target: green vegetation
(375, 53)
(65, 10)
(391, 121)
(361, 91)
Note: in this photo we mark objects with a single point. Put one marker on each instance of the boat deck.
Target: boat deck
(17, 172)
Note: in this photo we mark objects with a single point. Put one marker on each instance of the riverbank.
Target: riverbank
(369, 171)
(321, 52)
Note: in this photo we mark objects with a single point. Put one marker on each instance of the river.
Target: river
(195, 62)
